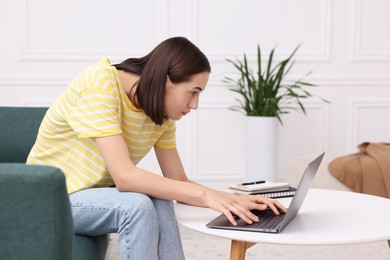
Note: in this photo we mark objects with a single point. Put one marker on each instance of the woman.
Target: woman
(105, 122)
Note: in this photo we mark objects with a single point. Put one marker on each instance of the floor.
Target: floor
(199, 246)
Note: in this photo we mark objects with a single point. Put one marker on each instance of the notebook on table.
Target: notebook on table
(269, 222)
(284, 193)
(263, 186)
(266, 188)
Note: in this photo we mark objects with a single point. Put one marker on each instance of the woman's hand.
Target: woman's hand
(241, 206)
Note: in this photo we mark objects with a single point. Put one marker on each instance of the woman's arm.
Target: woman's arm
(170, 163)
(128, 177)
(175, 186)
(225, 202)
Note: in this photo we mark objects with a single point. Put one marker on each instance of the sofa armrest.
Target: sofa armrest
(35, 220)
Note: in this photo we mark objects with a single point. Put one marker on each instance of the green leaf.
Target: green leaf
(266, 93)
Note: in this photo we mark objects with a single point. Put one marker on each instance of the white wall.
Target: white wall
(44, 43)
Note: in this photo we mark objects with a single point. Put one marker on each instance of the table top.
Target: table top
(327, 217)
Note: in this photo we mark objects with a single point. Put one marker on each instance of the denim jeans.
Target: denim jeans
(146, 226)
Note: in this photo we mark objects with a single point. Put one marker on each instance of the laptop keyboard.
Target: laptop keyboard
(267, 220)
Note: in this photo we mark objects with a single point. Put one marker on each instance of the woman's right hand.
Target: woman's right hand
(230, 204)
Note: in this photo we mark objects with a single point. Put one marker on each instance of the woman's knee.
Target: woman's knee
(139, 210)
(165, 210)
(161, 204)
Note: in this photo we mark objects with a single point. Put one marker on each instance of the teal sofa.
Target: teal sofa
(35, 214)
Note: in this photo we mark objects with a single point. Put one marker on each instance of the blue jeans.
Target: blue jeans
(146, 226)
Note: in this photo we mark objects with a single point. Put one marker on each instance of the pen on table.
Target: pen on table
(252, 183)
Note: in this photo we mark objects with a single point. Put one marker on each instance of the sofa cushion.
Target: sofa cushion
(19, 127)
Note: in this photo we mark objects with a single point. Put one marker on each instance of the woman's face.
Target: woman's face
(180, 98)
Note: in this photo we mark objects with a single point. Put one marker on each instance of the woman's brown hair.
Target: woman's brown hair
(176, 57)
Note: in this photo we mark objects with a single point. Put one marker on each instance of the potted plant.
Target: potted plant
(265, 96)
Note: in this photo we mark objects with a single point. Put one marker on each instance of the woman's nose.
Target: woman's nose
(194, 103)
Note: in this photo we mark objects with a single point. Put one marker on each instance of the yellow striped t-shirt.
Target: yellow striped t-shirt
(94, 105)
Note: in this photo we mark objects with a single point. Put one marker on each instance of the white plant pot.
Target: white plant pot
(261, 145)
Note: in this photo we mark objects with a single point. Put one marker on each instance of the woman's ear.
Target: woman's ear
(168, 83)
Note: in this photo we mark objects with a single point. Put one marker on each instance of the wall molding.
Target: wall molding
(35, 102)
(357, 54)
(325, 81)
(349, 81)
(30, 55)
(219, 176)
(322, 81)
(33, 81)
(353, 123)
(324, 55)
(324, 108)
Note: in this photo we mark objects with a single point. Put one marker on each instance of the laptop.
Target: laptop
(269, 222)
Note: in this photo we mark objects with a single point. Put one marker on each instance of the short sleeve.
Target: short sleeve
(168, 138)
(95, 114)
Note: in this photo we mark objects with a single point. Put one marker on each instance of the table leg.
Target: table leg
(388, 242)
(238, 249)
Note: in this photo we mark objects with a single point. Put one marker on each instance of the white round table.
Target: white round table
(327, 217)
